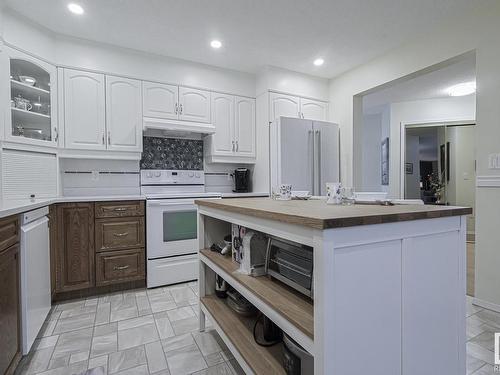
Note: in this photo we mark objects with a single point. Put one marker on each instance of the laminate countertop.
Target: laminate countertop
(17, 206)
(317, 214)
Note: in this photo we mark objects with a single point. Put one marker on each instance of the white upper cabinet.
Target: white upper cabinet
(234, 138)
(223, 118)
(123, 114)
(295, 106)
(194, 105)
(84, 110)
(283, 105)
(30, 93)
(313, 109)
(160, 100)
(244, 126)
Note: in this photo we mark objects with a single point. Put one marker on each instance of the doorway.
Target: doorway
(440, 168)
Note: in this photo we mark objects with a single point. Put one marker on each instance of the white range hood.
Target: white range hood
(177, 127)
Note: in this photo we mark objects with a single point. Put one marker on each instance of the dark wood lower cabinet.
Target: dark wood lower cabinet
(75, 246)
(96, 246)
(117, 266)
(10, 338)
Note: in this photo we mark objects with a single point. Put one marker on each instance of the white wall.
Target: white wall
(278, 79)
(372, 135)
(478, 30)
(77, 53)
(422, 112)
(461, 188)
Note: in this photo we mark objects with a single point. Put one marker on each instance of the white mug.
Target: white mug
(285, 192)
(333, 193)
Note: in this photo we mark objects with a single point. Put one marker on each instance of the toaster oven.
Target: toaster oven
(291, 263)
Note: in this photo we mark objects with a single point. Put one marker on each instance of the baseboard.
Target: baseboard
(98, 290)
(485, 304)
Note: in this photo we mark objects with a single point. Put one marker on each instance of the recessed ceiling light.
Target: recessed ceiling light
(318, 61)
(216, 44)
(75, 8)
(462, 89)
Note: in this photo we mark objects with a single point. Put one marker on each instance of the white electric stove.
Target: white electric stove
(172, 224)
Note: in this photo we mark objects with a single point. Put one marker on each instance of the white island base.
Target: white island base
(389, 298)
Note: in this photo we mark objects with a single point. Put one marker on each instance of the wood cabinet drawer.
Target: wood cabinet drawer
(9, 232)
(119, 209)
(119, 233)
(119, 266)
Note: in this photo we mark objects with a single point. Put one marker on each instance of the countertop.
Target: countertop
(13, 207)
(17, 206)
(244, 195)
(317, 214)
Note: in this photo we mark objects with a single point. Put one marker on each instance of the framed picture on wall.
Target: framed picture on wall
(385, 161)
(409, 168)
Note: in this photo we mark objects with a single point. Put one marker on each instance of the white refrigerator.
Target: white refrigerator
(304, 153)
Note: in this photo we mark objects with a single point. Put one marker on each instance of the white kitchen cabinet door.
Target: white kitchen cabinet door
(283, 105)
(431, 276)
(313, 109)
(194, 105)
(123, 114)
(84, 110)
(223, 142)
(160, 100)
(244, 126)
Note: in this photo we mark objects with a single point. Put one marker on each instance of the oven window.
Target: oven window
(180, 225)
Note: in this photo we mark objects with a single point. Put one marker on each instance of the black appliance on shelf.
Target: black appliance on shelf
(241, 180)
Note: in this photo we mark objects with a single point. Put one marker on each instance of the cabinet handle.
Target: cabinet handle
(118, 209)
(237, 146)
(109, 137)
(176, 108)
(102, 138)
(120, 234)
(233, 146)
(120, 268)
(180, 107)
(57, 134)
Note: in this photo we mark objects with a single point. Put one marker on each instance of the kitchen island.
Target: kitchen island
(388, 286)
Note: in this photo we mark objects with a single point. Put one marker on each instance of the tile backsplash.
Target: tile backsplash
(172, 153)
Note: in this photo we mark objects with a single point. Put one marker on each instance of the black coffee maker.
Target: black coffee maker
(241, 180)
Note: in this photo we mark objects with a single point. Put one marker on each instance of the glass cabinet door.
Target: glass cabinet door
(31, 101)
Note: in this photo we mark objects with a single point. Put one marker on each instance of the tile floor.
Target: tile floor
(156, 332)
(129, 333)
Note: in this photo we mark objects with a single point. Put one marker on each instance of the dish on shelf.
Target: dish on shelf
(27, 80)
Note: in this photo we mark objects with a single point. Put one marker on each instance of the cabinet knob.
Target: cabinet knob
(176, 108)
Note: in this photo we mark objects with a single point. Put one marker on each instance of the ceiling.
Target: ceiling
(284, 33)
(426, 86)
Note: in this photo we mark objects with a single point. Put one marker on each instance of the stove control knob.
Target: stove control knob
(157, 174)
(190, 174)
(149, 174)
(197, 175)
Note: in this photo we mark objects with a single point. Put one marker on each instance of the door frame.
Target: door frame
(402, 141)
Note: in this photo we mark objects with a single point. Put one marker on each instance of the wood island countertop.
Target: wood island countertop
(317, 214)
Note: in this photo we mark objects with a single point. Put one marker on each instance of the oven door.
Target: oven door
(172, 227)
